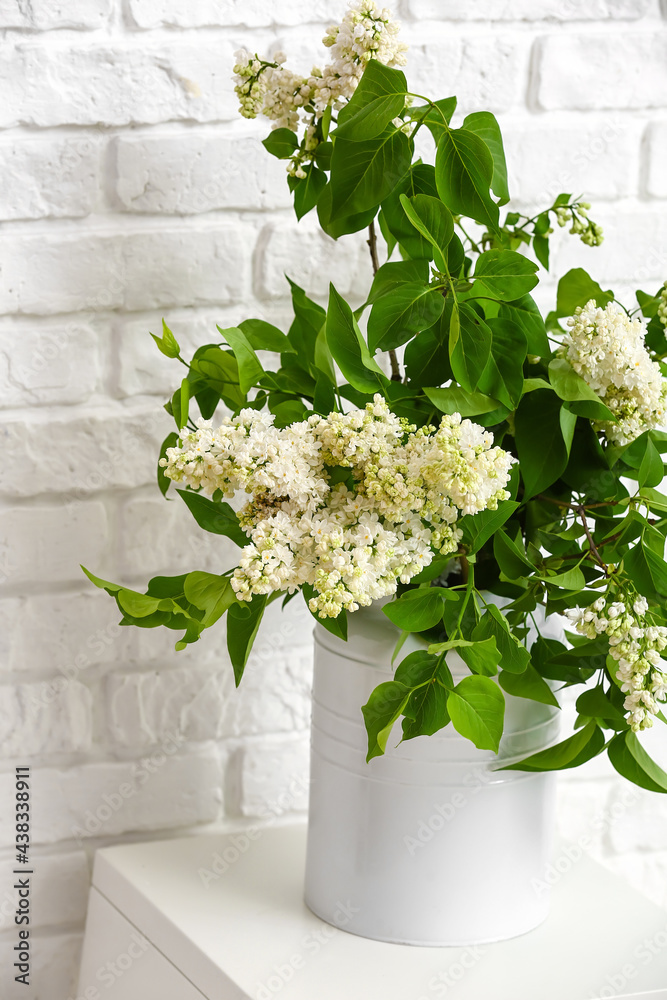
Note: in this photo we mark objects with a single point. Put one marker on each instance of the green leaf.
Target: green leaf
(483, 124)
(512, 561)
(651, 470)
(481, 656)
(215, 516)
(426, 361)
(307, 190)
(464, 171)
(336, 626)
(576, 288)
(400, 313)
(452, 399)
(528, 684)
(595, 704)
(250, 369)
(572, 579)
(167, 343)
(505, 274)
(111, 588)
(282, 143)
(425, 712)
(571, 387)
(502, 377)
(469, 346)
(336, 226)
(396, 274)
(647, 570)
(242, 625)
(264, 336)
(525, 314)
(539, 440)
(416, 610)
(322, 360)
(309, 319)
(379, 98)
(210, 593)
(429, 678)
(180, 404)
(512, 655)
(380, 712)
(364, 173)
(477, 707)
(478, 528)
(166, 586)
(432, 220)
(348, 347)
(585, 744)
(137, 605)
(163, 481)
(631, 761)
(219, 370)
(419, 179)
(436, 116)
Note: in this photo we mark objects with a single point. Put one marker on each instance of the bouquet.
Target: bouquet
(444, 445)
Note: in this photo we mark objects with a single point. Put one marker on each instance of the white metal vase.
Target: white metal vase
(429, 844)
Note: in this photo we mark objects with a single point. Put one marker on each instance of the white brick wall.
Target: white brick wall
(131, 190)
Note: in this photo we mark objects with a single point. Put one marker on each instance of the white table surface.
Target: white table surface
(248, 933)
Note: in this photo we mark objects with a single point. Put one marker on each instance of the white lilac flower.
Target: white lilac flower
(350, 545)
(662, 304)
(636, 645)
(606, 347)
(366, 32)
(266, 87)
(589, 232)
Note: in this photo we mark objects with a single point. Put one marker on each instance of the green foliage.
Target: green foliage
(348, 347)
(463, 171)
(214, 516)
(477, 709)
(449, 282)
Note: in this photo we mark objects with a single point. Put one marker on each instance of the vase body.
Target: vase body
(429, 844)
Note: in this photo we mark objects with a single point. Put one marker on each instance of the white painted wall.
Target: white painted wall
(129, 189)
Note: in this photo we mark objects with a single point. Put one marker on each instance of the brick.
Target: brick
(601, 159)
(36, 719)
(528, 10)
(56, 363)
(644, 230)
(207, 172)
(656, 182)
(59, 895)
(54, 967)
(42, 15)
(631, 72)
(311, 259)
(47, 543)
(274, 777)
(227, 13)
(126, 83)
(486, 72)
(141, 270)
(49, 177)
(142, 369)
(162, 537)
(164, 789)
(63, 634)
(105, 448)
(141, 707)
